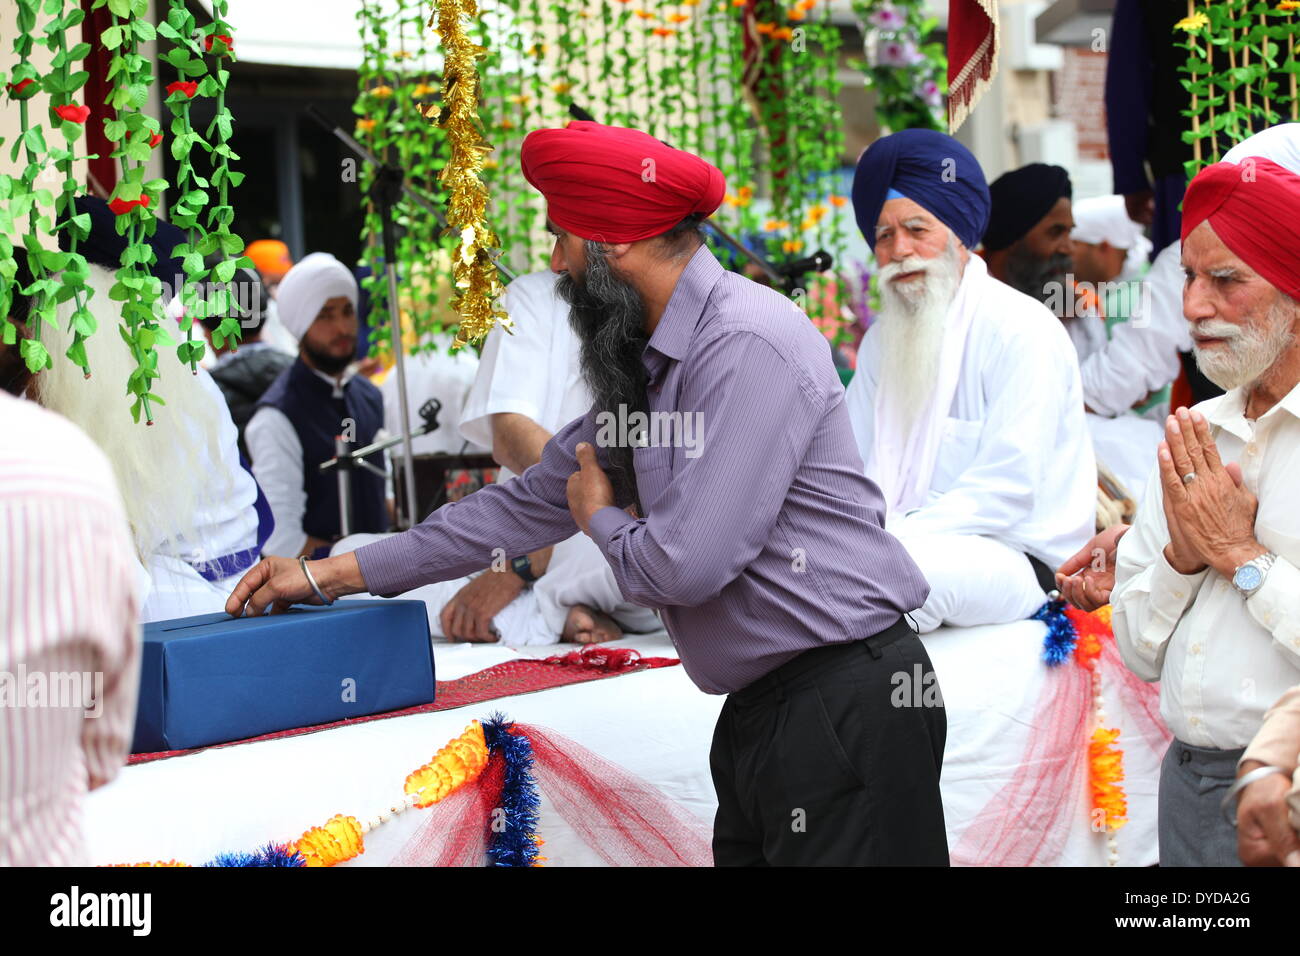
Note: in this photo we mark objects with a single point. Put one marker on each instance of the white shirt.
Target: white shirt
(444, 375)
(535, 372)
(1142, 354)
(1016, 462)
(276, 450)
(1221, 660)
(67, 568)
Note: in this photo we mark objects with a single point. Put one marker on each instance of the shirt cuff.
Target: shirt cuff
(1274, 605)
(383, 564)
(607, 522)
(1172, 593)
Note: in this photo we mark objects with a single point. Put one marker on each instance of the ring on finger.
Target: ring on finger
(1189, 477)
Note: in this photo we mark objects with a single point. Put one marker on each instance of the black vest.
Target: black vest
(307, 401)
(244, 379)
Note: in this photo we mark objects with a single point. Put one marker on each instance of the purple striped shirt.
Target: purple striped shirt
(762, 536)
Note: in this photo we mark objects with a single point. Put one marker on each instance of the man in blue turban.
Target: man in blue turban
(966, 404)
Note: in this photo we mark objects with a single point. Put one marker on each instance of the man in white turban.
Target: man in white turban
(313, 401)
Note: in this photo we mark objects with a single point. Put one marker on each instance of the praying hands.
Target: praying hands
(1208, 509)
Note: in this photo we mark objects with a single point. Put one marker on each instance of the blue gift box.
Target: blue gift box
(213, 678)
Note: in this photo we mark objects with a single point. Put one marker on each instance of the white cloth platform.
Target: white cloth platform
(656, 724)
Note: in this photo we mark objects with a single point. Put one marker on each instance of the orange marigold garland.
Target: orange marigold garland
(338, 840)
(458, 763)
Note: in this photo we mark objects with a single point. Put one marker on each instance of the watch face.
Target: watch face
(1248, 577)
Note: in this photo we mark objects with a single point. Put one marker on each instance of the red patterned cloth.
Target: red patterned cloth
(972, 55)
(523, 676)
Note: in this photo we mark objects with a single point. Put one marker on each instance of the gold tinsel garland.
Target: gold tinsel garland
(475, 282)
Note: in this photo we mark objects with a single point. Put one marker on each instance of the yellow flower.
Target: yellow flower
(1287, 6)
(403, 55)
(774, 224)
(519, 99)
(382, 92)
(678, 17)
(561, 88)
(366, 125)
(792, 245)
(423, 89)
(1193, 23)
(690, 3)
(644, 14)
(506, 124)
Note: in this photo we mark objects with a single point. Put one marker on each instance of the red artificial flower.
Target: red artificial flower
(122, 206)
(21, 91)
(188, 87)
(155, 139)
(73, 113)
(207, 41)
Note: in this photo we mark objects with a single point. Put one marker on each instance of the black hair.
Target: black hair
(13, 369)
(248, 304)
(683, 237)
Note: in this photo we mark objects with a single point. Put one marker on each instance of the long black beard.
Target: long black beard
(608, 317)
(1044, 279)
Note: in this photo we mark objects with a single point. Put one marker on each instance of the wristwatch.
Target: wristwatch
(1249, 578)
(524, 568)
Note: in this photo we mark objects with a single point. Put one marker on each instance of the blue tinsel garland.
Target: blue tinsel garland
(513, 844)
(1061, 638)
(269, 855)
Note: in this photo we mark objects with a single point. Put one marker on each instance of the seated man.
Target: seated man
(192, 507)
(966, 403)
(314, 400)
(1027, 244)
(1268, 806)
(1207, 586)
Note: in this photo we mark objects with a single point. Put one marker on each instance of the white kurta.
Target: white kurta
(446, 376)
(534, 371)
(1014, 467)
(1222, 660)
(226, 523)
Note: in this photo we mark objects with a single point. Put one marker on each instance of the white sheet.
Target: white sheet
(655, 723)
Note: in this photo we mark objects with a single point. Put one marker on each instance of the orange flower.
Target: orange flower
(338, 840)
(796, 14)
(519, 98)
(806, 4)
(782, 33)
(1288, 5)
(423, 89)
(774, 224)
(663, 31)
(644, 14)
(792, 245)
(506, 124)
(678, 17)
(561, 88)
(382, 92)
(765, 27)
(838, 201)
(366, 125)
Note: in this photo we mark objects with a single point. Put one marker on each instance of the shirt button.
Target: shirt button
(1179, 595)
(1196, 721)
(1196, 648)
(1252, 448)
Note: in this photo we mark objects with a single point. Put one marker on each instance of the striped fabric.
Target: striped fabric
(762, 537)
(69, 633)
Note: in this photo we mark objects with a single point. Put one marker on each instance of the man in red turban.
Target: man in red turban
(1207, 585)
(717, 472)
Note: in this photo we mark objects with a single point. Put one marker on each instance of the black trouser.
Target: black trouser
(833, 759)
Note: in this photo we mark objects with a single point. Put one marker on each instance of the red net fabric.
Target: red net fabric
(455, 830)
(1140, 700)
(1027, 821)
(510, 679)
(624, 819)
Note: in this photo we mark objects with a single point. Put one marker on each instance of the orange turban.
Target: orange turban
(270, 257)
(1254, 208)
(612, 184)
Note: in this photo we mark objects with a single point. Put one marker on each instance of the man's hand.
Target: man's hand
(278, 583)
(1265, 836)
(468, 615)
(1212, 517)
(1087, 578)
(589, 488)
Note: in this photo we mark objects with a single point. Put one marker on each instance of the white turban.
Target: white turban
(305, 289)
(1279, 143)
(1105, 219)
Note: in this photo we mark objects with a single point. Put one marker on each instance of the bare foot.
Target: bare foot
(586, 625)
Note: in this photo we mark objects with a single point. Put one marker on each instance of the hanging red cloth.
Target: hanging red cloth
(101, 171)
(972, 55)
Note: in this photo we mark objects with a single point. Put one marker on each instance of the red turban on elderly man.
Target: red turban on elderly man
(611, 184)
(1254, 208)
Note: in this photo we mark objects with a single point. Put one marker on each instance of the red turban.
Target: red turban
(1254, 207)
(612, 184)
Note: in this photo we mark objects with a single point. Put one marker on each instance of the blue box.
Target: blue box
(213, 678)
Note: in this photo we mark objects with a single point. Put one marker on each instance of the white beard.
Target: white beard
(913, 317)
(1252, 348)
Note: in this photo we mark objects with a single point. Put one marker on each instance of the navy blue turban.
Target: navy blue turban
(931, 169)
(103, 247)
(1021, 198)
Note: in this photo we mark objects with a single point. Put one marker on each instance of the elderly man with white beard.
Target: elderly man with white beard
(966, 404)
(1207, 585)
